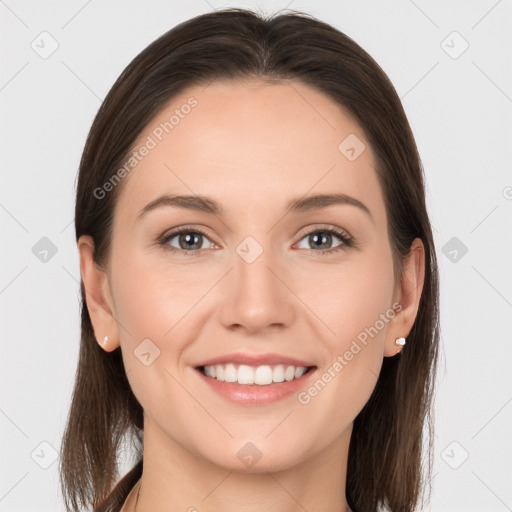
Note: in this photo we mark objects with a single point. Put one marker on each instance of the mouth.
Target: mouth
(248, 375)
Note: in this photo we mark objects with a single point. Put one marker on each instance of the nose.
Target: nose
(258, 294)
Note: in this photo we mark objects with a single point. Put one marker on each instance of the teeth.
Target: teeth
(230, 373)
(299, 371)
(260, 375)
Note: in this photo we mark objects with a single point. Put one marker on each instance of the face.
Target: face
(257, 282)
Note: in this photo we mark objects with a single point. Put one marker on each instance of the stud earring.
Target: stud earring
(400, 341)
(105, 340)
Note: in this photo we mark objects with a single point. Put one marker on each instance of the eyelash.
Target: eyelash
(346, 239)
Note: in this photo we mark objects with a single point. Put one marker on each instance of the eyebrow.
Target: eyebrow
(208, 205)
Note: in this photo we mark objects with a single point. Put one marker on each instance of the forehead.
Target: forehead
(250, 145)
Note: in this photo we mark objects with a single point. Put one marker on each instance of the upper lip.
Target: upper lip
(255, 360)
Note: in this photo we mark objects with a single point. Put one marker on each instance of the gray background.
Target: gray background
(459, 104)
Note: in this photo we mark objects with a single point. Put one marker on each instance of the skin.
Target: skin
(253, 147)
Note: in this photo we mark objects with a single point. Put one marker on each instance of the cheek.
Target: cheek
(349, 298)
(153, 302)
(150, 298)
(356, 305)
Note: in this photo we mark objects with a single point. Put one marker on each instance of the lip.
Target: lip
(254, 394)
(254, 360)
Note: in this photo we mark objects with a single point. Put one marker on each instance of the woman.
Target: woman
(259, 280)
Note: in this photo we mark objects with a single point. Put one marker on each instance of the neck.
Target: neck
(175, 479)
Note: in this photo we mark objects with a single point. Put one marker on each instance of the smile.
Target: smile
(260, 375)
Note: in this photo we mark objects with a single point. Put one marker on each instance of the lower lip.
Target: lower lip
(254, 394)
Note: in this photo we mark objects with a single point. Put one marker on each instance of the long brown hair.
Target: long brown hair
(384, 463)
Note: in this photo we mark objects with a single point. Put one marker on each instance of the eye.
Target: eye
(188, 240)
(322, 238)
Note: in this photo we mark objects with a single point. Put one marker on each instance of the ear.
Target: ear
(408, 295)
(98, 297)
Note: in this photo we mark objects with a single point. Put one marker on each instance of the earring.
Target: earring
(105, 340)
(400, 341)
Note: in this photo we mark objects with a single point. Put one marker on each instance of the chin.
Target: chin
(248, 456)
